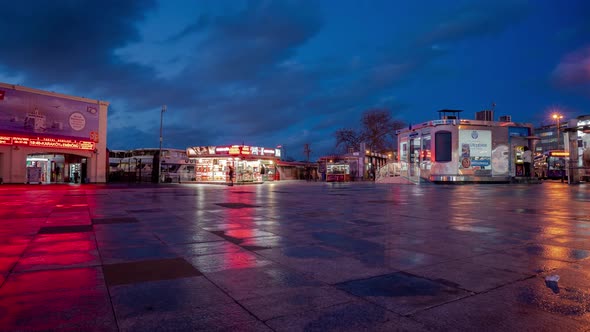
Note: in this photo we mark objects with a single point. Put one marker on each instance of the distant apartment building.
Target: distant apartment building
(548, 137)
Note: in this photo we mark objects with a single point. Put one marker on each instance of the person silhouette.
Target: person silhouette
(230, 173)
(527, 159)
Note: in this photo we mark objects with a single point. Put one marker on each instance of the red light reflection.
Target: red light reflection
(55, 280)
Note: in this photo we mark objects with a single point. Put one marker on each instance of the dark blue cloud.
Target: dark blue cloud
(292, 72)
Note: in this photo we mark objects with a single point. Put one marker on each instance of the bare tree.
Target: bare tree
(377, 131)
(347, 138)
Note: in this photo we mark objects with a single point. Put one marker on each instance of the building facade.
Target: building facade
(46, 137)
(550, 137)
(250, 164)
(459, 150)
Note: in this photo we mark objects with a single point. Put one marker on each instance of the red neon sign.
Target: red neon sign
(47, 142)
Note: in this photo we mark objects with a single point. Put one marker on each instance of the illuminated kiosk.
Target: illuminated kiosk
(251, 164)
(47, 137)
(456, 150)
(338, 168)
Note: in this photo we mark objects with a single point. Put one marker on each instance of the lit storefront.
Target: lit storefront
(47, 137)
(251, 164)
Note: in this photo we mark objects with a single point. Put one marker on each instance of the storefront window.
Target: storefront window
(426, 141)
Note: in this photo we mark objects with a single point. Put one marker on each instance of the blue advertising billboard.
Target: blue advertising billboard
(32, 114)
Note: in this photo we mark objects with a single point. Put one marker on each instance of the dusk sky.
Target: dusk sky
(268, 73)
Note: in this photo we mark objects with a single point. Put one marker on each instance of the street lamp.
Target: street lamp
(160, 155)
(557, 117)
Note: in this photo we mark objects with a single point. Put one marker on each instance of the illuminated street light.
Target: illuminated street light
(557, 117)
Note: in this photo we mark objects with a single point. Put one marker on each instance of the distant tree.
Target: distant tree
(378, 129)
(347, 138)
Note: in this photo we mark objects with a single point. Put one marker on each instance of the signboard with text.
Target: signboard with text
(27, 113)
(233, 150)
(47, 142)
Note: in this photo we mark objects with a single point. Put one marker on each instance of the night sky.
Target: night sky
(270, 73)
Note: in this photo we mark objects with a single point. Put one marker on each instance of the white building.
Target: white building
(47, 137)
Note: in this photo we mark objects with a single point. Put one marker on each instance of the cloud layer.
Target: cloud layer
(258, 72)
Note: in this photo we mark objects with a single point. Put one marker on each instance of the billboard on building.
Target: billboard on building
(476, 150)
(36, 115)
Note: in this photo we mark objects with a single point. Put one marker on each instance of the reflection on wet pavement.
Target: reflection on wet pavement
(294, 256)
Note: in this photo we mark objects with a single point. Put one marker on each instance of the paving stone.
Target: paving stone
(114, 220)
(517, 261)
(149, 270)
(404, 293)
(261, 281)
(53, 281)
(237, 205)
(131, 254)
(353, 316)
(205, 248)
(227, 261)
(83, 310)
(65, 229)
(59, 260)
(293, 301)
(7, 263)
(225, 316)
(523, 306)
(63, 237)
(466, 275)
(177, 237)
(131, 301)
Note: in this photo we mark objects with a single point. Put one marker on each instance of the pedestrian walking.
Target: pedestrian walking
(527, 158)
(230, 174)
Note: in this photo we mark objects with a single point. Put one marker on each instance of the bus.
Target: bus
(175, 165)
(551, 164)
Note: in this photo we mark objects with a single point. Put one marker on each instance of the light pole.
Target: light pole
(557, 117)
(160, 153)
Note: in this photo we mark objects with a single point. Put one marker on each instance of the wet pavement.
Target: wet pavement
(295, 256)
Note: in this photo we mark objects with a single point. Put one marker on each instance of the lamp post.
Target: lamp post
(160, 153)
(557, 117)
